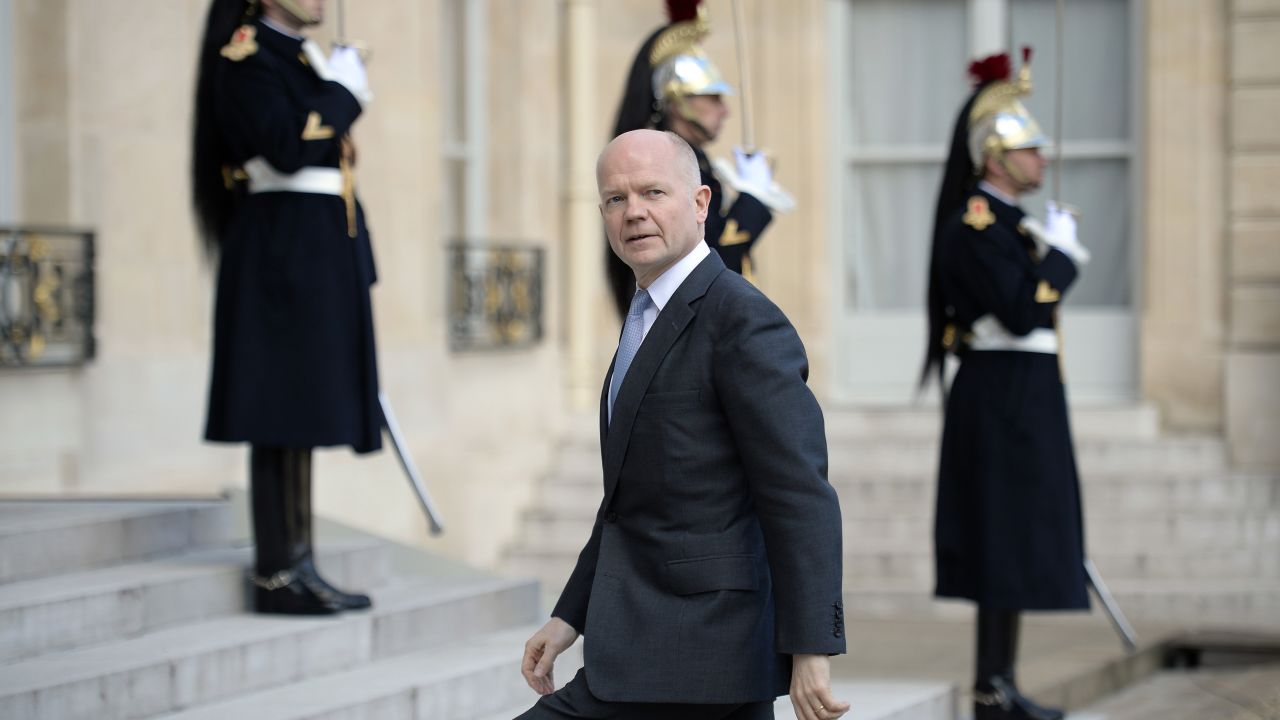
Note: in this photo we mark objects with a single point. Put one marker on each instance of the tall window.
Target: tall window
(899, 71)
(905, 65)
(906, 83)
(1097, 132)
(463, 86)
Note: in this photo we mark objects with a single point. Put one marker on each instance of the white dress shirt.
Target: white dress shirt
(665, 285)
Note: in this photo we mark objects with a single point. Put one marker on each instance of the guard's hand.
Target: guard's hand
(541, 651)
(348, 69)
(753, 169)
(811, 689)
(1061, 233)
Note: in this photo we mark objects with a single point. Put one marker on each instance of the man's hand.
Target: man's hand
(753, 170)
(541, 651)
(811, 689)
(348, 69)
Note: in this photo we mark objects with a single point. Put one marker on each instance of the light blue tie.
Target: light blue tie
(632, 335)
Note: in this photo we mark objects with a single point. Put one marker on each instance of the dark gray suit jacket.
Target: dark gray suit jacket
(716, 551)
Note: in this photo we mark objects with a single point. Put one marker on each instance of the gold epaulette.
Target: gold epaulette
(243, 44)
(979, 215)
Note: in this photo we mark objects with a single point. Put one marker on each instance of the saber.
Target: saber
(740, 40)
(1057, 103)
(410, 469)
(1114, 613)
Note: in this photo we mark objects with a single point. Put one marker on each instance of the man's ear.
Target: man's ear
(991, 168)
(702, 202)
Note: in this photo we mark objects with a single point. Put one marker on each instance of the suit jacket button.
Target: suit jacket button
(611, 518)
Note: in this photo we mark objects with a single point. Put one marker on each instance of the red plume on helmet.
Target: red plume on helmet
(990, 68)
(682, 10)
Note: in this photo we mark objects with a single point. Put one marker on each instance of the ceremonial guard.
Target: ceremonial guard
(674, 86)
(294, 365)
(1008, 532)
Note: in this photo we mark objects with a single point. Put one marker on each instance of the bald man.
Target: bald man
(710, 584)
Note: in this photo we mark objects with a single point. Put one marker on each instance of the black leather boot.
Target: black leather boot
(279, 585)
(995, 695)
(298, 473)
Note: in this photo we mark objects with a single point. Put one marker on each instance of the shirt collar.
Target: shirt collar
(666, 284)
(281, 29)
(998, 194)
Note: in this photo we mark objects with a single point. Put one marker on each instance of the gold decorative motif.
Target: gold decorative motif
(302, 58)
(949, 337)
(243, 44)
(680, 38)
(1046, 294)
(233, 175)
(748, 272)
(732, 236)
(979, 216)
(347, 164)
(314, 130)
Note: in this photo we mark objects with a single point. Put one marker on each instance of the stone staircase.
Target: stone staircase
(137, 609)
(1176, 533)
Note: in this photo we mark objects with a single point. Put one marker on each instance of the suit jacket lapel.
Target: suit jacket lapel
(669, 325)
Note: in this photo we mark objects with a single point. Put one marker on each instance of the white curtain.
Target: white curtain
(907, 74)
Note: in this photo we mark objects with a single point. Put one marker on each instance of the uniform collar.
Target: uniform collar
(277, 38)
(996, 193)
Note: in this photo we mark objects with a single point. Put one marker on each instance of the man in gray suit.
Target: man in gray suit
(711, 581)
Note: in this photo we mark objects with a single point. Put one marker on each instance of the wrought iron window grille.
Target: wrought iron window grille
(46, 297)
(495, 296)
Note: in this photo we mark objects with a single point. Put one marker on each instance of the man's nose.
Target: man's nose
(636, 209)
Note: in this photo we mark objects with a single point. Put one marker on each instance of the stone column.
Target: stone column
(583, 216)
(1253, 283)
(1183, 320)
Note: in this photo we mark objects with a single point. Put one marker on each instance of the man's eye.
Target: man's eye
(656, 192)
(613, 200)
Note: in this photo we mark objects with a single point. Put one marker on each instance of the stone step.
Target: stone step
(908, 585)
(1244, 693)
(1205, 565)
(204, 662)
(887, 700)
(1234, 602)
(857, 457)
(870, 700)
(467, 680)
(903, 493)
(564, 533)
(45, 538)
(1137, 422)
(122, 601)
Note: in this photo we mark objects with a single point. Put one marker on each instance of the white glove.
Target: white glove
(753, 171)
(1060, 232)
(346, 67)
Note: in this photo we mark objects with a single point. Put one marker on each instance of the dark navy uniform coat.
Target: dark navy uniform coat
(293, 358)
(1008, 532)
(732, 231)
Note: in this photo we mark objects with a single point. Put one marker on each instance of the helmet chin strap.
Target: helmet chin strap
(297, 11)
(681, 105)
(1018, 177)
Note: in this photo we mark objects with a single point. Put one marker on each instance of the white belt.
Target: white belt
(318, 180)
(988, 334)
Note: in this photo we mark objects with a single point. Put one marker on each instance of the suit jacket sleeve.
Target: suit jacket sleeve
(290, 132)
(574, 599)
(993, 267)
(760, 372)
